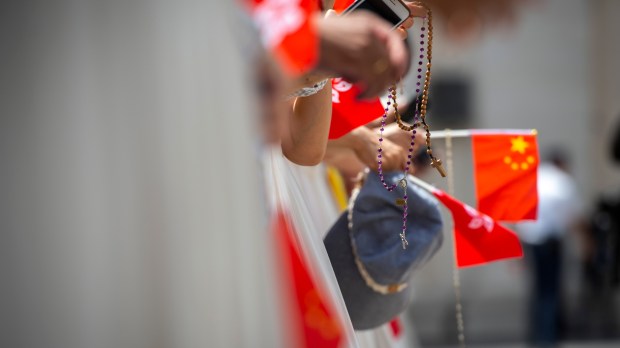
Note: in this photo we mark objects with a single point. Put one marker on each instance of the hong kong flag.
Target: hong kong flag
(286, 29)
(310, 318)
(478, 238)
(505, 167)
(348, 112)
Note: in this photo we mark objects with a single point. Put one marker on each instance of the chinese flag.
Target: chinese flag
(478, 238)
(349, 113)
(311, 320)
(505, 168)
(286, 29)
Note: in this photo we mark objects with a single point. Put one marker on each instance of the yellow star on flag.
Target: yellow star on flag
(519, 145)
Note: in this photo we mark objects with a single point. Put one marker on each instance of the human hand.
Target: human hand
(363, 49)
(403, 139)
(416, 11)
(393, 156)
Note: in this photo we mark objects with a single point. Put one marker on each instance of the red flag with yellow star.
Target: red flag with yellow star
(505, 167)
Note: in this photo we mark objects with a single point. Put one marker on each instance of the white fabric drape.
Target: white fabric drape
(304, 191)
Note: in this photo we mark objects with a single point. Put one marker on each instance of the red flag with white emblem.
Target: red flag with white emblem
(349, 113)
(505, 167)
(478, 238)
(287, 30)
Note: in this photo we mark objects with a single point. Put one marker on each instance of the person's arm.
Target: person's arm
(306, 139)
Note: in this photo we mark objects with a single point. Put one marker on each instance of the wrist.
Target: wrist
(360, 137)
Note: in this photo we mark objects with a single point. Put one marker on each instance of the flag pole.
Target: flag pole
(456, 277)
(464, 133)
(423, 184)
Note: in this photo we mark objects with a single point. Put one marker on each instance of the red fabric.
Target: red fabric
(287, 29)
(349, 113)
(310, 318)
(505, 167)
(341, 5)
(478, 238)
(397, 327)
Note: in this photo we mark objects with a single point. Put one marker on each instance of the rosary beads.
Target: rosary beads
(418, 121)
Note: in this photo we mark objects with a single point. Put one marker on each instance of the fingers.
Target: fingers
(398, 55)
(382, 71)
(391, 61)
(378, 77)
(402, 29)
(394, 156)
(402, 32)
(394, 161)
(416, 10)
(408, 23)
(363, 48)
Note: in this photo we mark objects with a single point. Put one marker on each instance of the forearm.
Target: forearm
(354, 140)
(309, 128)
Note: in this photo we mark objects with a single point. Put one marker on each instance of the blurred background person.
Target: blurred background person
(559, 208)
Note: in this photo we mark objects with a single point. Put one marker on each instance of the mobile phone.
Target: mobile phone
(393, 11)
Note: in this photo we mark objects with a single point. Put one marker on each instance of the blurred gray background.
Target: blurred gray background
(556, 70)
